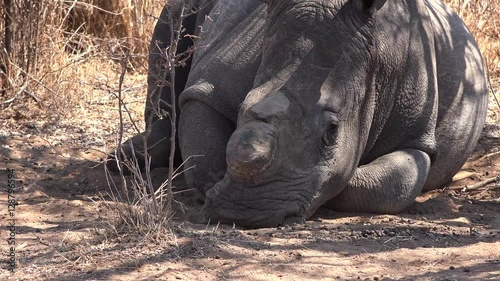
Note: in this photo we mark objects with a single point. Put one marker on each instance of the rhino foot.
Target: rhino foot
(158, 148)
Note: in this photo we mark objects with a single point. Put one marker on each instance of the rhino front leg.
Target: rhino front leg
(387, 185)
(203, 136)
(158, 148)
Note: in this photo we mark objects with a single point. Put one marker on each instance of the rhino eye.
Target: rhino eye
(330, 122)
(330, 135)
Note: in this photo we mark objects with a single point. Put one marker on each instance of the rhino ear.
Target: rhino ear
(371, 5)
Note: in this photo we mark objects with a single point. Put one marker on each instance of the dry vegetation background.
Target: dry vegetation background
(64, 53)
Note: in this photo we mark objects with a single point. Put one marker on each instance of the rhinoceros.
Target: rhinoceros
(354, 105)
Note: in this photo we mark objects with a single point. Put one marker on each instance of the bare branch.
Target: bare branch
(477, 185)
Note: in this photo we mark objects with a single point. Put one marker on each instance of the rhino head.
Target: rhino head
(302, 129)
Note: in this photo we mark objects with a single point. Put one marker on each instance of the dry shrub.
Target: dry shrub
(483, 19)
(35, 57)
(123, 19)
(61, 48)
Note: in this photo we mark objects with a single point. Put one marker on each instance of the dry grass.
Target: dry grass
(122, 19)
(64, 51)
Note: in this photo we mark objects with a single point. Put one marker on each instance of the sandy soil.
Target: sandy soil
(451, 234)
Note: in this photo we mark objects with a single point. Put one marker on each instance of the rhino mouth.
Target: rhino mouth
(255, 207)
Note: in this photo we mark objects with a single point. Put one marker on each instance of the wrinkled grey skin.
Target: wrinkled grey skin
(355, 105)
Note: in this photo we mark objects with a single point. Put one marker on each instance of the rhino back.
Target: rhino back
(431, 89)
(461, 72)
(227, 56)
(405, 97)
(463, 93)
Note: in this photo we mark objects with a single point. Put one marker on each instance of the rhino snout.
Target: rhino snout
(250, 150)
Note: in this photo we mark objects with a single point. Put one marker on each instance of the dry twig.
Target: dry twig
(477, 185)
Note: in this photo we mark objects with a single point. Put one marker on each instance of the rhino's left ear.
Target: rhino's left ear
(372, 5)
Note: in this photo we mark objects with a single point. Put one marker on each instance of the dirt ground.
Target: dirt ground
(450, 234)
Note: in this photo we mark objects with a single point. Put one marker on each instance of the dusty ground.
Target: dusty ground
(60, 234)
